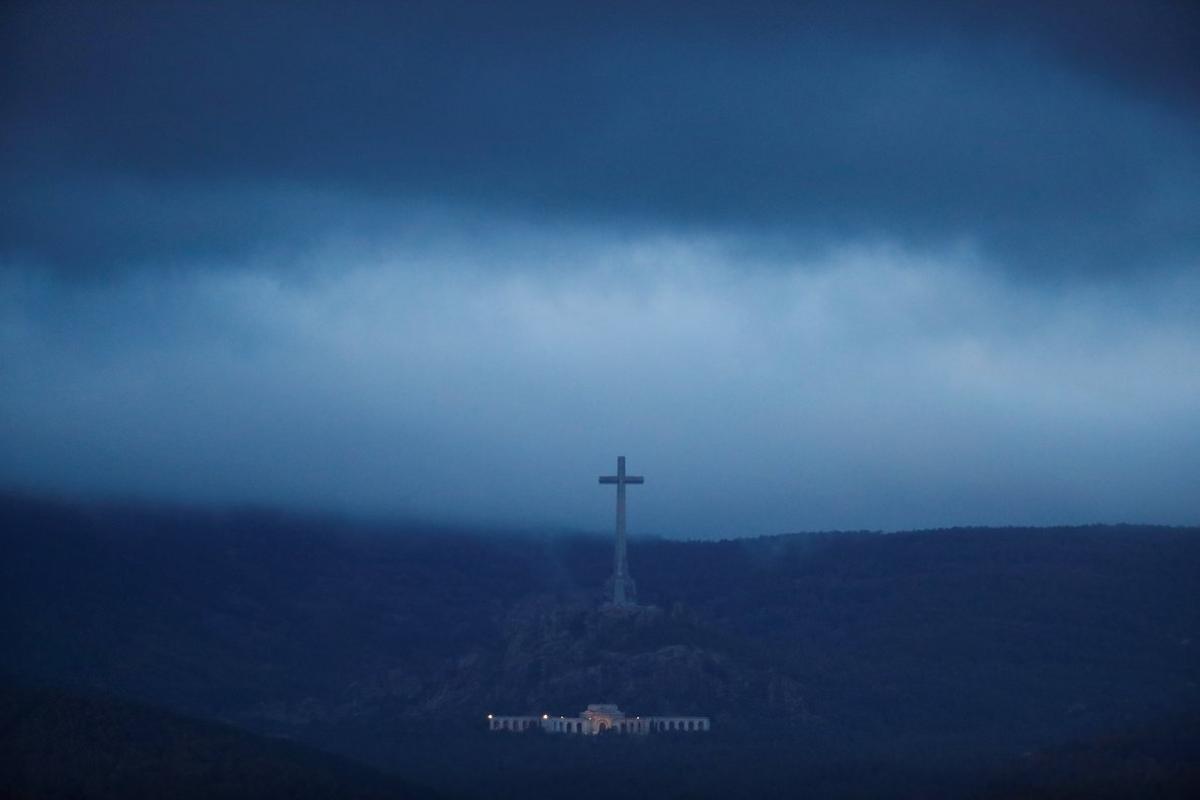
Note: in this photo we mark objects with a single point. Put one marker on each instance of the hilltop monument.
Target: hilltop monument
(623, 590)
(606, 718)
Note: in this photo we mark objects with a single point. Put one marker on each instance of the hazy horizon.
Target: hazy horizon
(392, 522)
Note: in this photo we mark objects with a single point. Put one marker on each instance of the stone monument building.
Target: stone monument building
(599, 718)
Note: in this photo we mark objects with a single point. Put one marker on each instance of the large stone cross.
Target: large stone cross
(624, 593)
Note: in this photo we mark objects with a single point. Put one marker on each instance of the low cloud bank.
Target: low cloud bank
(465, 373)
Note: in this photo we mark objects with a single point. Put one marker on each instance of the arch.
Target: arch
(603, 726)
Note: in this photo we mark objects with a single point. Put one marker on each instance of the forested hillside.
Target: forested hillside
(848, 661)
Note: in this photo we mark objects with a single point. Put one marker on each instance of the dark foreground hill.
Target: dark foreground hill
(57, 744)
(840, 663)
(1157, 759)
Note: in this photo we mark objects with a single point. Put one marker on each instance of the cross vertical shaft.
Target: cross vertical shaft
(623, 590)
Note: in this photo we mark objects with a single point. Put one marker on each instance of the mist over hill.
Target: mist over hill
(844, 662)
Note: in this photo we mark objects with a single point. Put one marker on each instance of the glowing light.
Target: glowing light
(489, 716)
(545, 716)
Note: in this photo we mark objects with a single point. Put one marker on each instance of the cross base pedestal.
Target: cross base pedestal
(623, 591)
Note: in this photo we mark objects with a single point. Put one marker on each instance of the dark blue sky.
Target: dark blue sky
(907, 264)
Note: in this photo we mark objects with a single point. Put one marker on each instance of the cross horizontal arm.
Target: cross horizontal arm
(609, 479)
(619, 479)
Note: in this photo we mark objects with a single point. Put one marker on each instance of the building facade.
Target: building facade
(599, 718)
